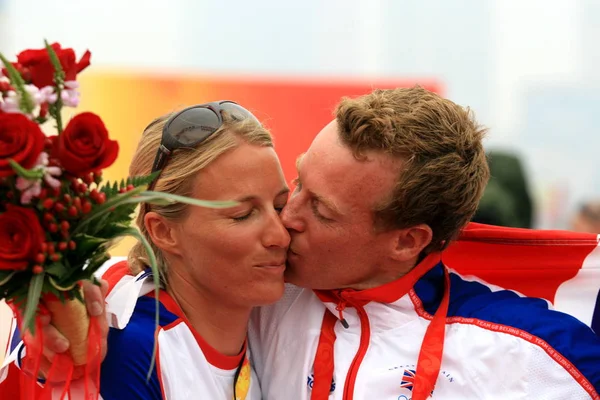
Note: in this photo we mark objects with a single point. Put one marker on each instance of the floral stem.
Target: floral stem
(59, 80)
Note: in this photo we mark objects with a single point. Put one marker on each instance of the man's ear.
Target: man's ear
(410, 242)
(162, 232)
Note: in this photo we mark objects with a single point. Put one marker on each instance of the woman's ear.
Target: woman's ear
(162, 232)
(410, 242)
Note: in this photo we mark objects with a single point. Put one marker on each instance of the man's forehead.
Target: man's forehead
(299, 160)
(334, 172)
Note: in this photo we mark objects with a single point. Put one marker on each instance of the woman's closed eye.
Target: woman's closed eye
(243, 216)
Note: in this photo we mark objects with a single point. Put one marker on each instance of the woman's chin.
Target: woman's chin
(268, 294)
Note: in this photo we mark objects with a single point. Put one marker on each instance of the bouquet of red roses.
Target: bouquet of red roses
(57, 218)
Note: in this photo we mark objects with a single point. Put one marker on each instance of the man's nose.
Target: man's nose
(290, 215)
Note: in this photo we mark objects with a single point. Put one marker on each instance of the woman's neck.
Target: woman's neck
(221, 325)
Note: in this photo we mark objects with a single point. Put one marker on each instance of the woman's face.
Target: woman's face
(238, 254)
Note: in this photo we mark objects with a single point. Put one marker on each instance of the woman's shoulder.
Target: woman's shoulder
(129, 359)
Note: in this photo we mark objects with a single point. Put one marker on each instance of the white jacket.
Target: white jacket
(498, 345)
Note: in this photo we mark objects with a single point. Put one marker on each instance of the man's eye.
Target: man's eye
(314, 205)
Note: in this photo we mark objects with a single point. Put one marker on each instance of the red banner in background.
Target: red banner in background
(295, 110)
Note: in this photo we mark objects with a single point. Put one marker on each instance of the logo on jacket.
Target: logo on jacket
(311, 381)
(408, 379)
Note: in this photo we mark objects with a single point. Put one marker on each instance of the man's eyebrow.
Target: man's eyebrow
(299, 160)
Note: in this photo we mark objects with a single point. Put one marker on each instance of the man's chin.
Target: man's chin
(290, 276)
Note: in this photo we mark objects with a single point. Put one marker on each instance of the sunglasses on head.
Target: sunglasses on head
(191, 126)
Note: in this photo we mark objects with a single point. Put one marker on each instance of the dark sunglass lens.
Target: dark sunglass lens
(236, 111)
(194, 125)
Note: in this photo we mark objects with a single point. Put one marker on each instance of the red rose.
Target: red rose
(21, 140)
(84, 146)
(5, 87)
(35, 65)
(21, 238)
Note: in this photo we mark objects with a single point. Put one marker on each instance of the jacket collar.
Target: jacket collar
(388, 293)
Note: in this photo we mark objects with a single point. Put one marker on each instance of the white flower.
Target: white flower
(70, 94)
(31, 188)
(35, 95)
(10, 103)
(70, 98)
(48, 94)
(51, 172)
(71, 85)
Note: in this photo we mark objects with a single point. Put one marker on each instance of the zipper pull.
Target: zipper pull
(340, 308)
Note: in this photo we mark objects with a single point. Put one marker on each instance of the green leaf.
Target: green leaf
(59, 74)
(33, 299)
(77, 294)
(168, 198)
(25, 102)
(86, 243)
(111, 189)
(114, 229)
(62, 288)
(98, 261)
(56, 269)
(107, 207)
(59, 77)
(5, 276)
(30, 174)
(155, 273)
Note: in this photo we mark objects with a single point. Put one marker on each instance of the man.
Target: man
(382, 190)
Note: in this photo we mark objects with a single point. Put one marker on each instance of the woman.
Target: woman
(215, 264)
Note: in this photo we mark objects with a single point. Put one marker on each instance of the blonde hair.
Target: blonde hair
(181, 170)
(445, 169)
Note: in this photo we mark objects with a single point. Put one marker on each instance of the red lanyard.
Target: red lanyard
(428, 364)
(430, 356)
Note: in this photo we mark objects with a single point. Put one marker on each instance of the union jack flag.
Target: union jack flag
(408, 379)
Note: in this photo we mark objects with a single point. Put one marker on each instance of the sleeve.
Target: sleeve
(566, 363)
(559, 356)
(125, 368)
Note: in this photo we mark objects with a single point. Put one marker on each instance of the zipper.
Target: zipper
(365, 337)
(340, 309)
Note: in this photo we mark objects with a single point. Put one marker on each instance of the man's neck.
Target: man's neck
(221, 325)
(386, 274)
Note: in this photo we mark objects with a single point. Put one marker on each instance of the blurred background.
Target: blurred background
(530, 70)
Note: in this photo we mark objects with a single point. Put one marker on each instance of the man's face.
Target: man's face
(330, 216)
